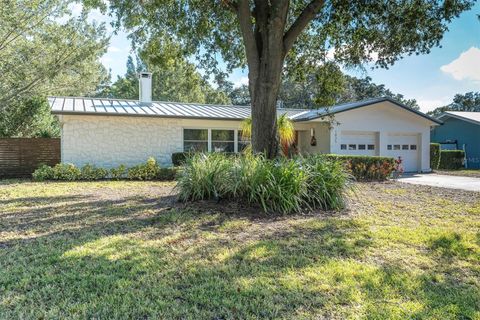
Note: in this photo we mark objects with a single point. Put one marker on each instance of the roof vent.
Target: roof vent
(145, 87)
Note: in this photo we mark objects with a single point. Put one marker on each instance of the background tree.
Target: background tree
(174, 78)
(361, 89)
(268, 35)
(325, 87)
(29, 117)
(469, 101)
(44, 50)
(240, 95)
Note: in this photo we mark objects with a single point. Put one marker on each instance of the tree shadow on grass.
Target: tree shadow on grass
(140, 257)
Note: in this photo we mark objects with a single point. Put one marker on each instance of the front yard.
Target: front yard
(128, 250)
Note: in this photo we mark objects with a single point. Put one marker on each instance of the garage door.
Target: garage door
(405, 146)
(358, 143)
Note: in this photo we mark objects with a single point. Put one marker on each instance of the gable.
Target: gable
(361, 105)
(383, 115)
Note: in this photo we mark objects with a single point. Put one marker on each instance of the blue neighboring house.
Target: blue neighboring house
(460, 130)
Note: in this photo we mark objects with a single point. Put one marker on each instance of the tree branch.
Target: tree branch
(251, 50)
(307, 15)
(232, 5)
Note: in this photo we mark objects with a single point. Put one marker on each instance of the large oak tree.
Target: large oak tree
(269, 36)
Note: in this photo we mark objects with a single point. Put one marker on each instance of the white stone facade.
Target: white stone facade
(110, 141)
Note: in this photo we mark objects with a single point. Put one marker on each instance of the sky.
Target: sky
(431, 79)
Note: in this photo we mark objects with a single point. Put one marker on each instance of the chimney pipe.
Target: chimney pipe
(145, 87)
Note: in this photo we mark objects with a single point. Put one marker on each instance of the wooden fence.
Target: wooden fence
(19, 157)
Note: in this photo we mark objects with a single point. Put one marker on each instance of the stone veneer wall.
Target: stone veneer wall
(110, 141)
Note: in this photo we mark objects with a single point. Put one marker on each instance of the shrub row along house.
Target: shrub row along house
(110, 132)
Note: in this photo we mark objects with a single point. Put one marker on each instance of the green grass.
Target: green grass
(128, 250)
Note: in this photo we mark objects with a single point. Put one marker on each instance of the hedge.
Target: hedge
(69, 172)
(434, 155)
(366, 168)
(178, 158)
(451, 159)
(363, 168)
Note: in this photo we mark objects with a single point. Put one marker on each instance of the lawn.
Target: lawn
(128, 250)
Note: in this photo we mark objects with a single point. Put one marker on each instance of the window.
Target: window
(223, 140)
(352, 147)
(413, 147)
(362, 147)
(405, 147)
(195, 140)
(371, 147)
(343, 147)
(396, 147)
(389, 147)
(243, 142)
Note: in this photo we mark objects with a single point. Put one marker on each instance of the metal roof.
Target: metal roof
(469, 116)
(117, 107)
(98, 106)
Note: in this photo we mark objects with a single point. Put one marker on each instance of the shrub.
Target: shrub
(434, 155)
(66, 171)
(178, 158)
(118, 172)
(451, 159)
(366, 168)
(90, 172)
(282, 185)
(43, 173)
(145, 171)
(167, 174)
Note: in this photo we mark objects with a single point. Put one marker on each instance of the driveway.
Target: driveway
(443, 181)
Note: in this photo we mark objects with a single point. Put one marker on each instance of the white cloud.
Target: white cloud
(240, 82)
(466, 66)
(430, 104)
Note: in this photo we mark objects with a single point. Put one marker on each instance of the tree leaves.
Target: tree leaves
(44, 50)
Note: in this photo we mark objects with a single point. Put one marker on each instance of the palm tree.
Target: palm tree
(286, 131)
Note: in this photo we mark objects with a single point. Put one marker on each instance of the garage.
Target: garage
(406, 146)
(358, 143)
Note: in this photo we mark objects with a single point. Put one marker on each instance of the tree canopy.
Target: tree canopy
(174, 78)
(40, 54)
(44, 49)
(324, 88)
(270, 36)
(469, 101)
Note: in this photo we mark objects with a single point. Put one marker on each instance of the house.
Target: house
(109, 132)
(460, 130)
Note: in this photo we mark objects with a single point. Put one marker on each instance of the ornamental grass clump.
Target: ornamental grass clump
(281, 185)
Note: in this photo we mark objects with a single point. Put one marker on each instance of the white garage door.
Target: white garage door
(405, 146)
(358, 143)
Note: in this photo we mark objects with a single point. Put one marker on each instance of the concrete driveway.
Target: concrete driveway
(443, 181)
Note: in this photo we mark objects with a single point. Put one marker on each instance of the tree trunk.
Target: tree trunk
(264, 114)
(266, 45)
(265, 79)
